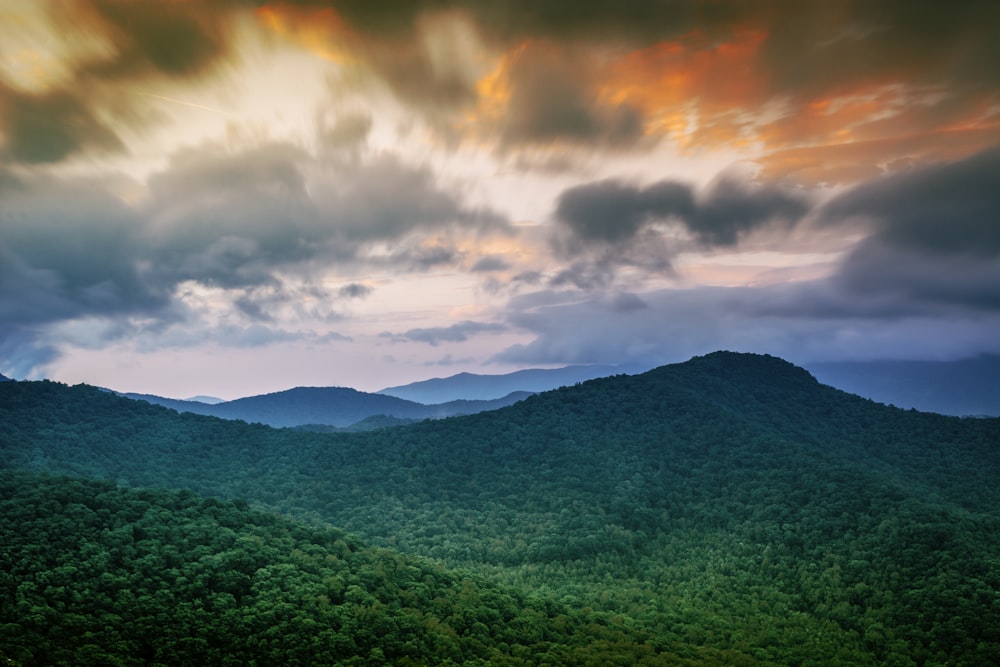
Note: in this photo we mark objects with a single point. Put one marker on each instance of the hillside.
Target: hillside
(94, 575)
(731, 502)
(472, 386)
(328, 406)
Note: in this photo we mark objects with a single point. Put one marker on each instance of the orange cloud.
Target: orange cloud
(854, 161)
(321, 31)
(688, 89)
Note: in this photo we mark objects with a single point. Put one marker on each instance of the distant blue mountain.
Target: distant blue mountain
(327, 406)
(210, 400)
(967, 387)
(4, 378)
(471, 386)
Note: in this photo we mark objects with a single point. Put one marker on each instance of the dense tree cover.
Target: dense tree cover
(730, 502)
(96, 575)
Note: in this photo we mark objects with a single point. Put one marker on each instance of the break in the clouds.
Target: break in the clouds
(492, 183)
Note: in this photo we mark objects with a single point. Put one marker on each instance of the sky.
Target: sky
(232, 198)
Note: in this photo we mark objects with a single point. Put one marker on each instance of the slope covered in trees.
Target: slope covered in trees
(94, 575)
(730, 502)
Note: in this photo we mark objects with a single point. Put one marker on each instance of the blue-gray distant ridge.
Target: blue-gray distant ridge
(472, 386)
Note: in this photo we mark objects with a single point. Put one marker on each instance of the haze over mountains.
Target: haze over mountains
(962, 387)
(968, 387)
(327, 406)
(487, 387)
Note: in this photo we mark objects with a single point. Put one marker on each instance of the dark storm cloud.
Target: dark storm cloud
(614, 212)
(936, 235)
(939, 209)
(68, 251)
(456, 333)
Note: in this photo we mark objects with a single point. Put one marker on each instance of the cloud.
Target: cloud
(490, 263)
(549, 100)
(456, 333)
(85, 110)
(49, 127)
(784, 320)
(173, 40)
(354, 291)
(386, 200)
(67, 250)
(259, 226)
(935, 237)
(612, 212)
(939, 209)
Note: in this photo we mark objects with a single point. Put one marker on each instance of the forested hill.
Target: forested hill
(331, 406)
(730, 502)
(94, 575)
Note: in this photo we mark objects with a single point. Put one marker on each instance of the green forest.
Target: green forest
(728, 510)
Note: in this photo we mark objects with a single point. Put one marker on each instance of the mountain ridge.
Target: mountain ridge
(325, 406)
(732, 501)
(484, 387)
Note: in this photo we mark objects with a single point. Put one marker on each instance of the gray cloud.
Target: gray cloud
(49, 127)
(354, 291)
(936, 236)
(939, 209)
(490, 263)
(166, 39)
(551, 101)
(386, 200)
(145, 42)
(67, 250)
(259, 224)
(615, 212)
(455, 333)
(783, 320)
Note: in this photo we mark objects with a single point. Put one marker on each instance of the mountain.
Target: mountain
(485, 387)
(731, 508)
(963, 387)
(326, 406)
(5, 379)
(211, 400)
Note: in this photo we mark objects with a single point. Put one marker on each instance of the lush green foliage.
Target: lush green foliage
(730, 502)
(94, 575)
